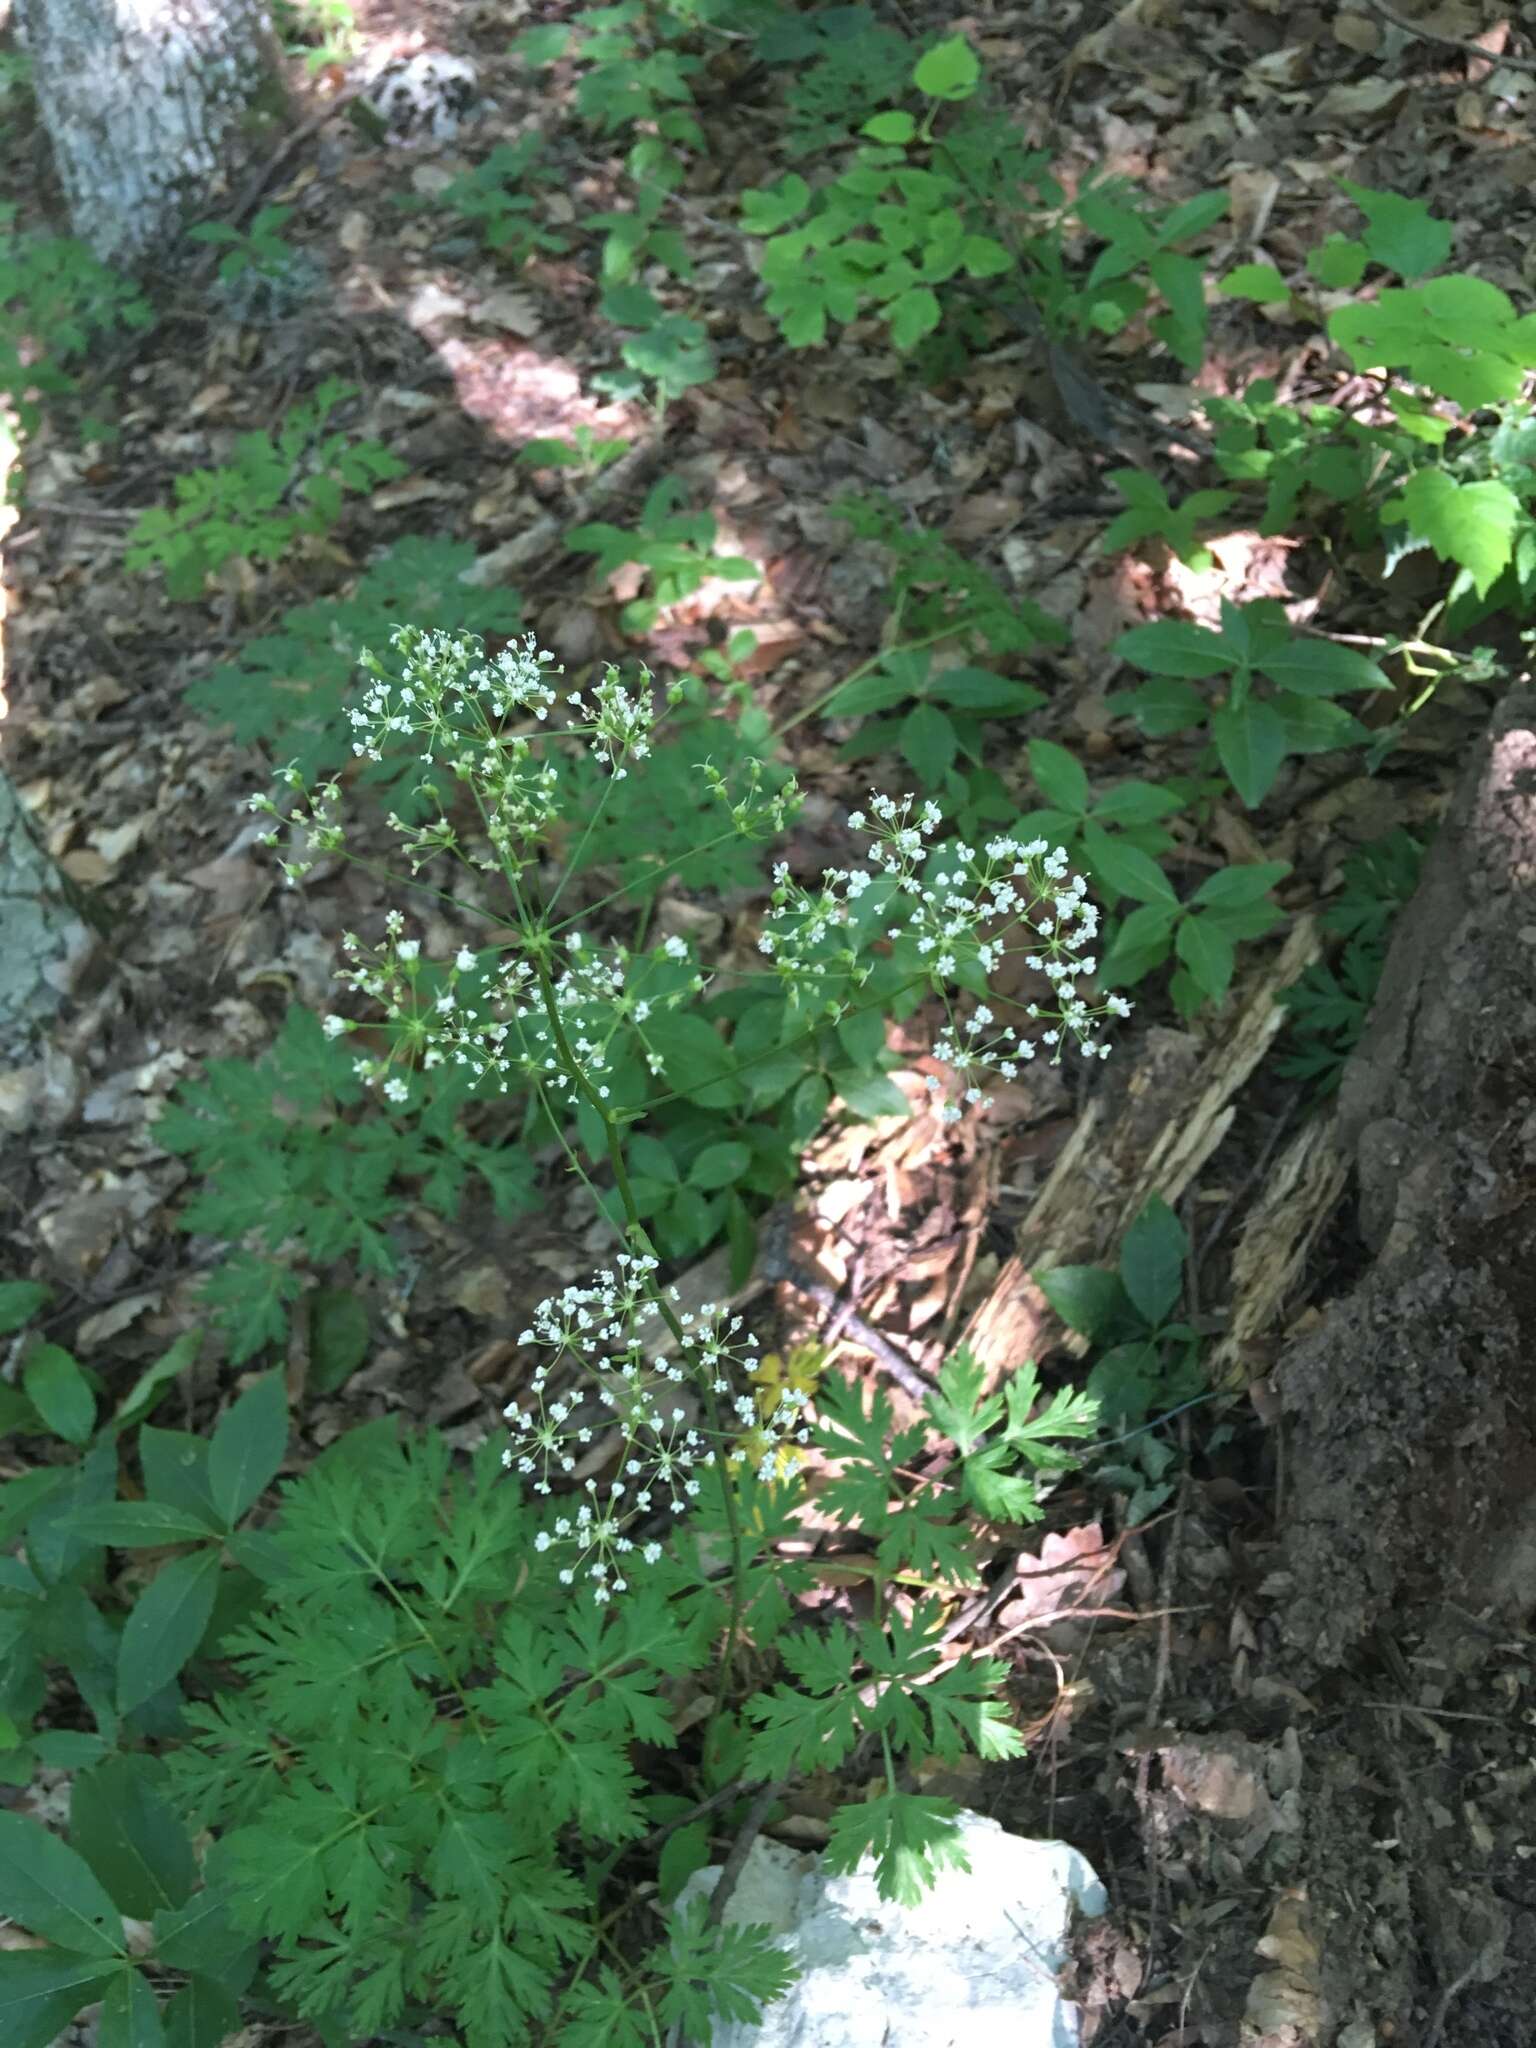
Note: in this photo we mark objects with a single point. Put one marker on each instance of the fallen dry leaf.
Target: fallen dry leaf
(1373, 99)
(983, 514)
(1357, 32)
(513, 310)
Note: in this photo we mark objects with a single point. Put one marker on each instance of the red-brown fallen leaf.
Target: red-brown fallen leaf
(1074, 1568)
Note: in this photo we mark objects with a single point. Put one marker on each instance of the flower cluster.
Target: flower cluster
(314, 815)
(618, 722)
(646, 1368)
(495, 1016)
(459, 702)
(953, 914)
(477, 718)
(448, 694)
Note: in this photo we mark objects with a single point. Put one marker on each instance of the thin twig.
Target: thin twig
(1428, 35)
(776, 1263)
(909, 1377)
(1447, 1999)
(1044, 1621)
(736, 1862)
(1438, 1713)
(737, 1789)
(293, 138)
(72, 508)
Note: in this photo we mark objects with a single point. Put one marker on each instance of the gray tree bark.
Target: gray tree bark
(44, 941)
(140, 99)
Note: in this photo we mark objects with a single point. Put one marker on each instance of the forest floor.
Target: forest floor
(1287, 1840)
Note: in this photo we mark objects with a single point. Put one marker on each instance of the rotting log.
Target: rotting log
(1156, 1123)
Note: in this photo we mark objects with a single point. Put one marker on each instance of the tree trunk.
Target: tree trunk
(1409, 1474)
(44, 942)
(1411, 1429)
(140, 102)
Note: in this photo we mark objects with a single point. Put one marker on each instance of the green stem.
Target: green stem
(653, 877)
(640, 1238)
(577, 850)
(864, 668)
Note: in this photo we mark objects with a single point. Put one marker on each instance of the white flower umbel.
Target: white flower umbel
(953, 914)
(618, 721)
(641, 1364)
(484, 720)
(446, 692)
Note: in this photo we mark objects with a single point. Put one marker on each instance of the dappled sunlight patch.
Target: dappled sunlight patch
(1244, 565)
(520, 394)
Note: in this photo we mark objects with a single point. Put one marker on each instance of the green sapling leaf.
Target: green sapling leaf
(720, 1166)
(1252, 743)
(949, 71)
(1238, 887)
(20, 1300)
(41, 1990)
(1401, 234)
(146, 1390)
(60, 1393)
(913, 315)
(130, 2013)
(142, 1525)
(165, 1626)
(1126, 869)
(1260, 283)
(51, 1891)
(1140, 944)
(247, 1447)
(1339, 264)
(1207, 951)
(202, 2014)
(1087, 1298)
(1470, 523)
(1174, 647)
(1321, 668)
(175, 1466)
(122, 1823)
(1152, 1257)
(1059, 776)
(338, 1336)
(765, 211)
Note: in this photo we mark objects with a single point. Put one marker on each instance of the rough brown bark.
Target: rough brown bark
(1409, 1507)
(1411, 1411)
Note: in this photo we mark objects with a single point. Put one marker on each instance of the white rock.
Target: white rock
(973, 1965)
